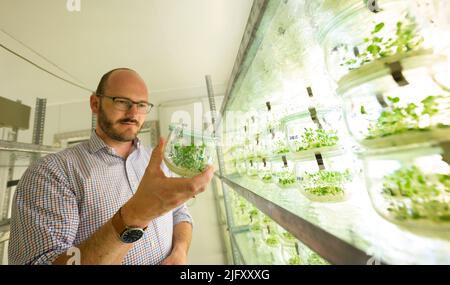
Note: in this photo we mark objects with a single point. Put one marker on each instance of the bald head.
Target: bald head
(121, 80)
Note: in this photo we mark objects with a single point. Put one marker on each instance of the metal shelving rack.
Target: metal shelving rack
(360, 236)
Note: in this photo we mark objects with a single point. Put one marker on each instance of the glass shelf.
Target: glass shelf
(251, 252)
(346, 232)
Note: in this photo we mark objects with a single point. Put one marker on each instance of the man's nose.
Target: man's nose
(133, 109)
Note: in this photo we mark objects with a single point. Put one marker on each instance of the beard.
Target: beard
(108, 126)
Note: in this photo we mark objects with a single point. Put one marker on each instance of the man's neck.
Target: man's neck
(122, 149)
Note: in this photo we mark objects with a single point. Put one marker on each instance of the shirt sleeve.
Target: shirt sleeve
(45, 215)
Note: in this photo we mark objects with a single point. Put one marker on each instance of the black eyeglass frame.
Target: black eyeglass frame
(113, 98)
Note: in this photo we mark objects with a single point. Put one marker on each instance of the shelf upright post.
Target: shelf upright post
(39, 123)
(221, 164)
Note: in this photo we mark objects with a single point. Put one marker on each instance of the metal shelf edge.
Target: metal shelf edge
(330, 247)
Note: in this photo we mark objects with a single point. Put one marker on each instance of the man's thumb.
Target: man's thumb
(157, 155)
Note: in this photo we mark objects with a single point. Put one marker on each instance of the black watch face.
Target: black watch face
(132, 235)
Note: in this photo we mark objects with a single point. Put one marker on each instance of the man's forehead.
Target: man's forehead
(126, 81)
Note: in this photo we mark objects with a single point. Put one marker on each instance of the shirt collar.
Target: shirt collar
(96, 143)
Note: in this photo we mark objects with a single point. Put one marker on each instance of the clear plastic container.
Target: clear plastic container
(324, 177)
(241, 167)
(273, 136)
(252, 168)
(276, 140)
(265, 171)
(381, 112)
(188, 152)
(410, 186)
(284, 174)
(313, 129)
(356, 37)
(322, 12)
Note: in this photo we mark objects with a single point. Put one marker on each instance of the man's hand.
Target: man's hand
(158, 194)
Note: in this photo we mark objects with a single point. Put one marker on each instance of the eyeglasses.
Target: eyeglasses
(124, 104)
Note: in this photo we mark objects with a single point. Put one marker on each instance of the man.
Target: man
(108, 200)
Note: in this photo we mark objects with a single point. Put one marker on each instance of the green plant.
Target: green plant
(315, 259)
(315, 138)
(193, 157)
(416, 195)
(397, 119)
(267, 178)
(280, 147)
(253, 213)
(325, 190)
(376, 46)
(256, 227)
(272, 240)
(326, 182)
(286, 178)
(295, 260)
(288, 236)
(410, 182)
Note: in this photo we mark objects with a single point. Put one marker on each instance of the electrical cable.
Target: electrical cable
(45, 70)
(40, 55)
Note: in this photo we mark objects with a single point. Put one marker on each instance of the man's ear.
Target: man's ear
(95, 103)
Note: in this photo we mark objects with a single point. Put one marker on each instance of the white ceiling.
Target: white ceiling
(173, 44)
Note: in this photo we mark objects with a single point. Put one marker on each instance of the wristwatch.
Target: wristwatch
(127, 234)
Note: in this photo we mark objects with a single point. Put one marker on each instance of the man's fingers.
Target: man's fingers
(204, 178)
(190, 186)
(157, 156)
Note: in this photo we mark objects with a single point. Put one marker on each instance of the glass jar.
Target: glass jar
(241, 210)
(284, 174)
(324, 177)
(356, 37)
(188, 152)
(313, 129)
(265, 171)
(276, 140)
(250, 151)
(322, 12)
(380, 112)
(252, 168)
(262, 146)
(410, 186)
(273, 136)
(241, 167)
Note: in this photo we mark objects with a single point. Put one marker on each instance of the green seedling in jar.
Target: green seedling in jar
(288, 236)
(295, 260)
(254, 213)
(315, 138)
(280, 147)
(416, 195)
(243, 206)
(397, 119)
(267, 178)
(286, 178)
(315, 259)
(192, 157)
(376, 46)
(255, 227)
(272, 240)
(326, 182)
